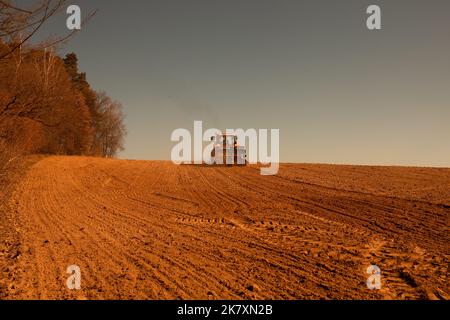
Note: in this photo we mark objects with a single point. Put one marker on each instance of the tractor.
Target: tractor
(227, 151)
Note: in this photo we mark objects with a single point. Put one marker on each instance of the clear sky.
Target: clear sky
(338, 92)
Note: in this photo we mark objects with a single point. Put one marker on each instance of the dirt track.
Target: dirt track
(153, 230)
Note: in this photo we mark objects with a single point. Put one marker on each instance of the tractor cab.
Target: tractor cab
(227, 151)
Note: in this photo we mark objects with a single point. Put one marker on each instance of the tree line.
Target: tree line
(46, 104)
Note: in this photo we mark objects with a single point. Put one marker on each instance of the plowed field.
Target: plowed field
(153, 230)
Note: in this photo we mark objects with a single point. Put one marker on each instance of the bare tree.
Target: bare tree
(40, 110)
(18, 24)
(111, 130)
(46, 105)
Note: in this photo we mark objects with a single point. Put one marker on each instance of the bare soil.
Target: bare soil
(153, 230)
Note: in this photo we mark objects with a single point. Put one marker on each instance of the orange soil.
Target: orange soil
(153, 230)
